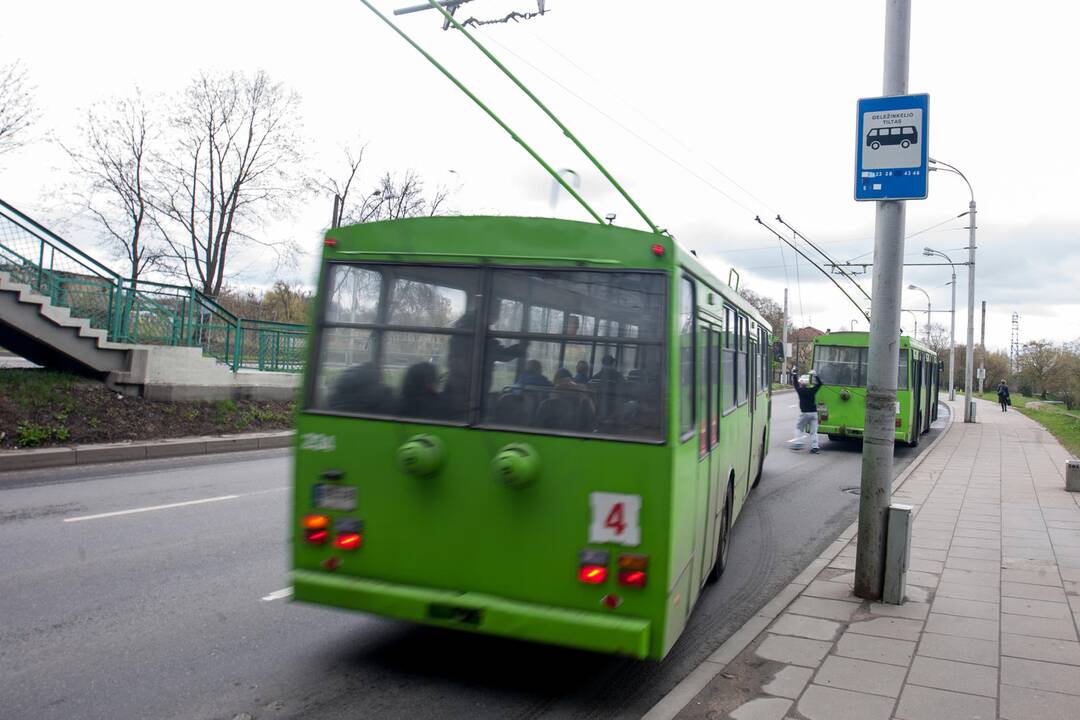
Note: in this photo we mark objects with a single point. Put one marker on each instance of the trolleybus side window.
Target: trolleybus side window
(728, 366)
(714, 388)
(686, 358)
(397, 341)
(902, 371)
(708, 408)
(583, 353)
(741, 359)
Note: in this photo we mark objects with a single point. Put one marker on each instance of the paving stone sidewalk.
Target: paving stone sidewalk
(990, 626)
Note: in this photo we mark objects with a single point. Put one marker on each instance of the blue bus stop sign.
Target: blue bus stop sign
(891, 154)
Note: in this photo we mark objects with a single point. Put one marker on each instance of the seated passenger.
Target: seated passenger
(534, 375)
(582, 375)
(360, 389)
(420, 393)
(608, 372)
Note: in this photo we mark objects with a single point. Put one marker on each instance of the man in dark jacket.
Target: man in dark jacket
(808, 417)
(1003, 395)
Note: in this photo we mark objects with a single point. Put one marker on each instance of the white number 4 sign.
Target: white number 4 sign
(615, 519)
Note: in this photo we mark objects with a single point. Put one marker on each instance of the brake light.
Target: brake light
(658, 250)
(315, 522)
(330, 242)
(592, 574)
(348, 540)
(632, 578)
(897, 422)
(316, 537)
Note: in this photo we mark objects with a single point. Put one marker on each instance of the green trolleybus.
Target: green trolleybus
(840, 359)
(533, 428)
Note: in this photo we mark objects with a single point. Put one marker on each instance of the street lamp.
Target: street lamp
(853, 325)
(916, 287)
(930, 252)
(969, 363)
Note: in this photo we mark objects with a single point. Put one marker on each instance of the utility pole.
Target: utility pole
(879, 434)
(969, 356)
(783, 376)
(982, 349)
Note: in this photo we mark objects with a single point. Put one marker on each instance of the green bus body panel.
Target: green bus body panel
(477, 613)
(464, 539)
(848, 417)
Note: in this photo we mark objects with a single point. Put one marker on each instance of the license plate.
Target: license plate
(334, 497)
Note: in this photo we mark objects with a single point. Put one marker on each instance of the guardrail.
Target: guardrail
(145, 312)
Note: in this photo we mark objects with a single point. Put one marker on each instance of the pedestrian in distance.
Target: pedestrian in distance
(1003, 395)
(807, 424)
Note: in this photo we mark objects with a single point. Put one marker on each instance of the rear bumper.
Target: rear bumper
(851, 432)
(476, 612)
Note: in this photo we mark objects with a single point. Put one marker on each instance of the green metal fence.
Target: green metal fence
(146, 312)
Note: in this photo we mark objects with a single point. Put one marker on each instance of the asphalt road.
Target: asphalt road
(175, 612)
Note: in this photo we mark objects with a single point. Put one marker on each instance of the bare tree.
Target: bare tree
(395, 199)
(113, 158)
(17, 111)
(236, 161)
(339, 188)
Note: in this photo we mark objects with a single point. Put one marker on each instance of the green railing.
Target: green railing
(146, 312)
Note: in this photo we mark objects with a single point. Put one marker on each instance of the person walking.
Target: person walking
(1003, 395)
(808, 417)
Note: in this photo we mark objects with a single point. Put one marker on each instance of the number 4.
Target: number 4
(615, 519)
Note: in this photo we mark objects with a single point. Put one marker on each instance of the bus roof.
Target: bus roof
(862, 339)
(507, 240)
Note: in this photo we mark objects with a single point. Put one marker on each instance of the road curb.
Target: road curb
(11, 460)
(688, 688)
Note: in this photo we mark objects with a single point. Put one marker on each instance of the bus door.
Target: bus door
(709, 501)
(916, 397)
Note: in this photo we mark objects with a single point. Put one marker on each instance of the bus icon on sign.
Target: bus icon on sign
(904, 136)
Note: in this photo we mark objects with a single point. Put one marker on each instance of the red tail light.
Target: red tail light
(348, 540)
(658, 250)
(592, 574)
(330, 242)
(632, 578)
(316, 537)
(897, 422)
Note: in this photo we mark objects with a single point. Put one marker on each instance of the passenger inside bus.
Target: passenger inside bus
(420, 395)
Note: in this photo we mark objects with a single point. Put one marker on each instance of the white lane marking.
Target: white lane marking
(152, 507)
(278, 594)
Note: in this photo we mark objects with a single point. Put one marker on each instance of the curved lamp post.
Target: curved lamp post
(930, 252)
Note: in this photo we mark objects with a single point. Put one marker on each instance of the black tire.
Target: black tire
(875, 145)
(835, 438)
(724, 544)
(760, 463)
(905, 144)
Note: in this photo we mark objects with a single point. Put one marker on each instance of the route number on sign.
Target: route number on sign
(615, 518)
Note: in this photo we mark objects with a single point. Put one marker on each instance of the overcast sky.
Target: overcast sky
(708, 112)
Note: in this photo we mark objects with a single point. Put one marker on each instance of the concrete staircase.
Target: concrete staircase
(31, 326)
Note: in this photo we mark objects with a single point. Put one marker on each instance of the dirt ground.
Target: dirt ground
(41, 408)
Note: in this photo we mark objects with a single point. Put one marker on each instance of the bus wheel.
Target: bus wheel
(760, 463)
(725, 535)
(835, 438)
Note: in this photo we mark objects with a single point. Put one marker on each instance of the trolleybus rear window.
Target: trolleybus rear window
(846, 366)
(573, 352)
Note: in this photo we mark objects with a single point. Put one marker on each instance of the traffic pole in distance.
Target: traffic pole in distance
(880, 429)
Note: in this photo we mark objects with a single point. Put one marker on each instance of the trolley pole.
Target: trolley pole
(879, 433)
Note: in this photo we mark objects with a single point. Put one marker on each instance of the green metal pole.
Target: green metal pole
(239, 345)
(551, 171)
(566, 131)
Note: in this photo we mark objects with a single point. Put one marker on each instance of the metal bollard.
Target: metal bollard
(1072, 475)
(897, 554)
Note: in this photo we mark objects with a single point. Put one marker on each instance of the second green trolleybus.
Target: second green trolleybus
(534, 428)
(840, 359)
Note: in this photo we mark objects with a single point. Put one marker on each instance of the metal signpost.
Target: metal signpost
(891, 166)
